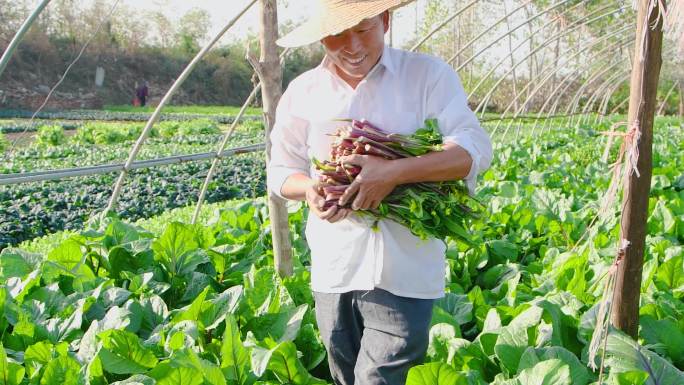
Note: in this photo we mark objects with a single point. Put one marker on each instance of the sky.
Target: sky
(222, 11)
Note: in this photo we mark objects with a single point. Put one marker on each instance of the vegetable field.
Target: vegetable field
(139, 246)
(168, 302)
(34, 209)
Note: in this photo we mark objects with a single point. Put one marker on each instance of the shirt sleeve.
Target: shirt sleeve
(288, 146)
(447, 102)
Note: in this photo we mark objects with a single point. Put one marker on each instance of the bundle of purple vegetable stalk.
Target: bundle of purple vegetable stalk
(429, 210)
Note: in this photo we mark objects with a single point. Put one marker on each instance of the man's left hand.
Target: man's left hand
(375, 181)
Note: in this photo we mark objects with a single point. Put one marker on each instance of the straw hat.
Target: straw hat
(331, 17)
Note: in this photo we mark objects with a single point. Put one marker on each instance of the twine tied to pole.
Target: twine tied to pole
(624, 166)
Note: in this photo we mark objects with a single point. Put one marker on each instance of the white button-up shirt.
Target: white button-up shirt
(398, 95)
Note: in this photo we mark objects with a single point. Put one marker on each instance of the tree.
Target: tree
(164, 30)
(193, 29)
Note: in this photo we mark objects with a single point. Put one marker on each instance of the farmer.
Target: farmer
(374, 288)
(142, 92)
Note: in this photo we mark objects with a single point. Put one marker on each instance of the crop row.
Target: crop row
(36, 209)
(116, 115)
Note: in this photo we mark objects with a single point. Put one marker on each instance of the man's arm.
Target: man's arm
(452, 163)
(467, 148)
(295, 187)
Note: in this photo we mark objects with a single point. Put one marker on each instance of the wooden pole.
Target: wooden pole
(642, 103)
(271, 75)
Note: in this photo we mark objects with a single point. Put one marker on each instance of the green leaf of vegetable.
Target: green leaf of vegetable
(61, 370)
(435, 373)
(625, 355)
(122, 353)
(11, 373)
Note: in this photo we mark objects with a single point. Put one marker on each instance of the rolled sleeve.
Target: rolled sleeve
(288, 147)
(458, 124)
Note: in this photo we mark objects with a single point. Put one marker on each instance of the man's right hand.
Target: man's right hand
(316, 201)
(302, 188)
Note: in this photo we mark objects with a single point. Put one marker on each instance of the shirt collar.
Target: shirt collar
(386, 61)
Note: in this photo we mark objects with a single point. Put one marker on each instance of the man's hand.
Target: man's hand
(375, 181)
(316, 200)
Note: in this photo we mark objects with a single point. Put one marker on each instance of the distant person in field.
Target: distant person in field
(374, 288)
(142, 92)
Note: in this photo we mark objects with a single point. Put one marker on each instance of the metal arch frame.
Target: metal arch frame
(554, 70)
(565, 84)
(606, 98)
(597, 73)
(603, 69)
(617, 107)
(169, 94)
(510, 31)
(548, 72)
(476, 38)
(608, 66)
(574, 104)
(579, 73)
(545, 43)
(19, 36)
(441, 25)
(571, 79)
(548, 41)
(602, 88)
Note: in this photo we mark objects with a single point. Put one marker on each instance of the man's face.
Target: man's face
(356, 50)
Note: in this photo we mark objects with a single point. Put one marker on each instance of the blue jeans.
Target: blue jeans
(373, 337)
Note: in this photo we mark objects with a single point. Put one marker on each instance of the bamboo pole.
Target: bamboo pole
(20, 35)
(270, 74)
(642, 103)
(157, 112)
